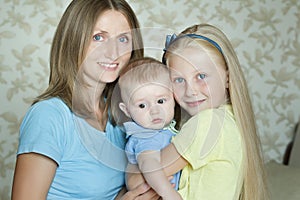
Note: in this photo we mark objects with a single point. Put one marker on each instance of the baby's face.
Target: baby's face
(152, 105)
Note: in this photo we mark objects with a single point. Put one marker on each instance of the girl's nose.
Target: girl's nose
(191, 90)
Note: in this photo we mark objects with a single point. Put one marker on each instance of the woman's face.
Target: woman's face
(109, 50)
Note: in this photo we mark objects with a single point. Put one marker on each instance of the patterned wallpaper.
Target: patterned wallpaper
(265, 34)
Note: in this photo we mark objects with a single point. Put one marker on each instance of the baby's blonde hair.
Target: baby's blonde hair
(254, 181)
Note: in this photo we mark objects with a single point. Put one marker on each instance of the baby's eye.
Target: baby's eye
(98, 37)
(123, 39)
(161, 101)
(178, 80)
(142, 105)
(201, 76)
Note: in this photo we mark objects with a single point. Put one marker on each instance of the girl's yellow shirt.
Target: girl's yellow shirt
(211, 143)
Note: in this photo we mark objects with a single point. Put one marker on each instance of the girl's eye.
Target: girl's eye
(123, 39)
(142, 105)
(178, 80)
(161, 101)
(201, 76)
(98, 37)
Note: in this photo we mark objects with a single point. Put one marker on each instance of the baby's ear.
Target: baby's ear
(123, 107)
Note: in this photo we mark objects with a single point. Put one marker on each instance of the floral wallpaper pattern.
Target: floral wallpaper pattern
(265, 34)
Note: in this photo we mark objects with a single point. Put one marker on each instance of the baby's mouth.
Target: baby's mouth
(156, 121)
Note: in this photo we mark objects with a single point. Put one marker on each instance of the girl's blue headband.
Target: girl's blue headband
(172, 38)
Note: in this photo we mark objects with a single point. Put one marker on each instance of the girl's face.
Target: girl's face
(199, 79)
(110, 48)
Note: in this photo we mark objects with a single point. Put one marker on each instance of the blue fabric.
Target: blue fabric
(49, 128)
(141, 139)
(172, 38)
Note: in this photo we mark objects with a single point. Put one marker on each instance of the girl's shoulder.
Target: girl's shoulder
(209, 115)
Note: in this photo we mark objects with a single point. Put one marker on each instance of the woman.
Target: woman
(66, 136)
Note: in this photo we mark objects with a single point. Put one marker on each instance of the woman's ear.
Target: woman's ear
(123, 107)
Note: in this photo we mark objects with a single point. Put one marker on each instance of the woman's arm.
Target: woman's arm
(33, 176)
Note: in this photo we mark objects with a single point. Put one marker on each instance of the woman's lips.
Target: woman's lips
(108, 66)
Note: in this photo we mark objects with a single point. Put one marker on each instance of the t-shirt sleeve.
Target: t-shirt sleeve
(135, 146)
(42, 131)
(198, 137)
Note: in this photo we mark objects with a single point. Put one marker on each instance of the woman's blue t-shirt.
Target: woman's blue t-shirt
(90, 163)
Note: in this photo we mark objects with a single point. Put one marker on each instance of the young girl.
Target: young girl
(218, 147)
(148, 102)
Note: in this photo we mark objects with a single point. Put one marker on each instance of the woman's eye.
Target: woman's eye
(178, 80)
(201, 76)
(98, 37)
(161, 101)
(142, 105)
(123, 39)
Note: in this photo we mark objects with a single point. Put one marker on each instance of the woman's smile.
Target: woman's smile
(108, 66)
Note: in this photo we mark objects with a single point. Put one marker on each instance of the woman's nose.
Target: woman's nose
(112, 49)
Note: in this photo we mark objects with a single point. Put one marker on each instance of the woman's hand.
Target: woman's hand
(141, 192)
(136, 184)
(134, 177)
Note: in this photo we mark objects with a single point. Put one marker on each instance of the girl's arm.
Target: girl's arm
(149, 164)
(171, 161)
(33, 176)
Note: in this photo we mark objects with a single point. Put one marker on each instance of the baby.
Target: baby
(147, 99)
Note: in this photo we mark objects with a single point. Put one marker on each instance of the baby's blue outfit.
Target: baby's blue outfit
(141, 139)
(90, 162)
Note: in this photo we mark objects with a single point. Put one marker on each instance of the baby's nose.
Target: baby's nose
(154, 110)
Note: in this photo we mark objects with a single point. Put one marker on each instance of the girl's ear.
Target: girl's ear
(227, 79)
(123, 107)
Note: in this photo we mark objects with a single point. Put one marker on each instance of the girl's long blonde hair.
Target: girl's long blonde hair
(254, 180)
(71, 40)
